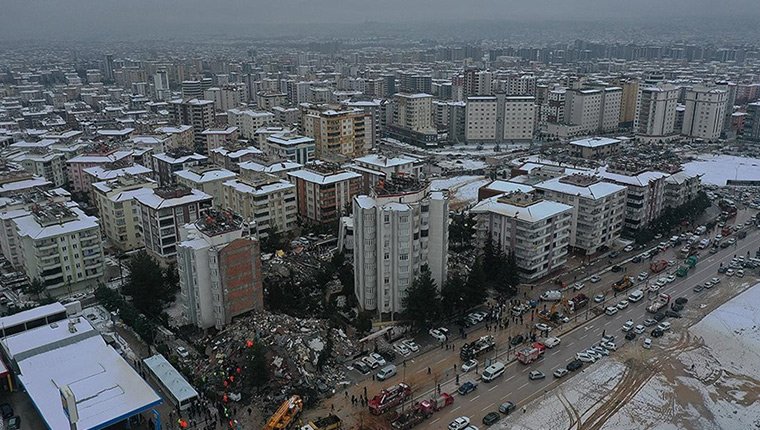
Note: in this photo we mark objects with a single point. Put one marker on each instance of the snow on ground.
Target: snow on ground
(716, 169)
(464, 189)
(462, 164)
(705, 378)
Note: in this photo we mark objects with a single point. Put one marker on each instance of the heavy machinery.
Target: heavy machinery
(389, 398)
(547, 315)
(286, 415)
(421, 411)
(622, 284)
(476, 348)
(330, 422)
(658, 266)
(689, 263)
(578, 302)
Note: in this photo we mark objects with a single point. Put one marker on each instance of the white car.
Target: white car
(599, 298)
(378, 359)
(715, 281)
(643, 276)
(609, 345)
(611, 310)
(551, 342)
(437, 335)
(543, 327)
(730, 272)
(459, 423)
(601, 350)
(593, 353)
(469, 365)
(654, 288)
(401, 349)
(182, 352)
(594, 279)
(578, 285)
(664, 326)
(560, 372)
(647, 343)
(584, 357)
(371, 362)
(628, 248)
(412, 345)
(670, 278)
(628, 326)
(639, 329)
(662, 282)
(622, 304)
(740, 273)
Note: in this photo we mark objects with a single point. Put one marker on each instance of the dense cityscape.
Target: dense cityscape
(381, 226)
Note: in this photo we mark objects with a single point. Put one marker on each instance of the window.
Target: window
(403, 257)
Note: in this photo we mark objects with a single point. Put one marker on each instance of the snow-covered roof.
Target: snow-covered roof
(595, 142)
(593, 191)
(537, 211)
(640, 180)
(680, 177)
(44, 143)
(222, 131)
(383, 161)
(280, 166)
(102, 174)
(104, 158)
(121, 132)
(260, 190)
(24, 185)
(206, 175)
(508, 187)
(29, 226)
(154, 201)
(324, 179)
(170, 378)
(289, 139)
(173, 129)
(179, 160)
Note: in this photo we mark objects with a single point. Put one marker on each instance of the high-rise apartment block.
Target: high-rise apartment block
(656, 113)
(324, 191)
(265, 202)
(339, 131)
(196, 113)
(118, 209)
(705, 112)
(412, 119)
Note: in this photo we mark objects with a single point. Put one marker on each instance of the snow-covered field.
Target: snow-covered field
(716, 169)
(462, 164)
(705, 377)
(464, 188)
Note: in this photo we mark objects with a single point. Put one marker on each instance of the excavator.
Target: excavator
(286, 415)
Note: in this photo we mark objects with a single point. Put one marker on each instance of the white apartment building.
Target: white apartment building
(537, 231)
(225, 97)
(414, 111)
(119, 211)
(265, 202)
(290, 146)
(220, 137)
(705, 113)
(377, 167)
(208, 179)
(163, 211)
(656, 112)
(248, 121)
(644, 198)
(47, 164)
(598, 209)
(61, 247)
(519, 117)
(480, 119)
(681, 188)
(399, 228)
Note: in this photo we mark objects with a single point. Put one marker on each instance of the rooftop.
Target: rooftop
(587, 186)
(595, 142)
(216, 222)
(522, 206)
(168, 197)
(170, 377)
(398, 184)
(289, 139)
(204, 174)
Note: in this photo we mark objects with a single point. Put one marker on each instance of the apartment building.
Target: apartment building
(535, 230)
(324, 191)
(220, 137)
(265, 202)
(180, 136)
(705, 109)
(519, 118)
(377, 167)
(598, 209)
(656, 113)
(290, 146)
(60, 245)
(163, 211)
(207, 178)
(99, 174)
(586, 111)
(119, 211)
(166, 164)
(595, 148)
(337, 130)
(105, 157)
(225, 97)
(751, 128)
(644, 198)
(274, 168)
(681, 188)
(413, 119)
(219, 265)
(397, 229)
(230, 158)
(46, 163)
(480, 119)
(196, 113)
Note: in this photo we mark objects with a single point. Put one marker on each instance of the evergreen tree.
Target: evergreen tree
(422, 301)
(146, 284)
(452, 294)
(35, 288)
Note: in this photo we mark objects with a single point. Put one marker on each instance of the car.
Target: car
(467, 388)
(639, 329)
(637, 259)
(412, 345)
(14, 423)
(543, 327)
(643, 275)
(722, 269)
(654, 288)
(183, 352)
(469, 365)
(616, 268)
(507, 407)
(517, 340)
(671, 263)
(730, 272)
(601, 350)
(444, 331)
(697, 288)
(608, 338)
(718, 237)
(611, 310)
(622, 304)
(658, 236)
(560, 372)
(740, 273)
(681, 301)
(370, 362)
(551, 342)
(628, 326)
(713, 250)
(562, 318)
(609, 345)
(594, 279)
(614, 254)
(657, 332)
(662, 282)
(630, 335)
(715, 281)
(362, 367)
(574, 365)
(379, 359)
(491, 418)
(647, 344)
(649, 322)
(536, 374)
(628, 248)
(459, 423)
(578, 285)
(672, 314)
(670, 278)
(584, 357)
(480, 315)
(401, 349)
(6, 410)
(675, 307)
(599, 298)
(591, 352)
(437, 335)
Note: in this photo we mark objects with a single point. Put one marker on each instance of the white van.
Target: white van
(635, 296)
(493, 371)
(386, 372)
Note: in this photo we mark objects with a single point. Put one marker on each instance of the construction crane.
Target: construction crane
(286, 414)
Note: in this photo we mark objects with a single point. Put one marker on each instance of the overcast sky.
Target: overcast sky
(73, 19)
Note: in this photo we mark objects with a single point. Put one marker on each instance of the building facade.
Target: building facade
(704, 113)
(324, 192)
(265, 202)
(119, 211)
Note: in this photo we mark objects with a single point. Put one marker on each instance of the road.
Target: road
(515, 385)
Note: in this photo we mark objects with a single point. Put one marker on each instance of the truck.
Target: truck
(623, 284)
(389, 398)
(530, 354)
(658, 266)
(551, 296)
(476, 348)
(662, 301)
(286, 415)
(578, 302)
(330, 422)
(436, 403)
(421, 411)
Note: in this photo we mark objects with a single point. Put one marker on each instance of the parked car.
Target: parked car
(639, 329)
(622, 304)
(491, 418)
(6, 410)
(611, 310)
(584, 357)
(647, 344)
(578, 285)
(412, 345)
(536, 374)
(401, 349)
(467, 388)
(594, 279)
(559, 373)
(698, 288)
(437, 335)
(643, 275)
(459, 423)
(628, 326)
(574, 365)
(609, 345)
(628, 248)
(379, 359)
(517, 340)
(630, 335)
(507, 407)
(14, 423)
(469, 365)
(599, 298)
(370, 362)
(616, 268)
(543, 327)
(183, 352)
(362, 367)
(657, 333)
